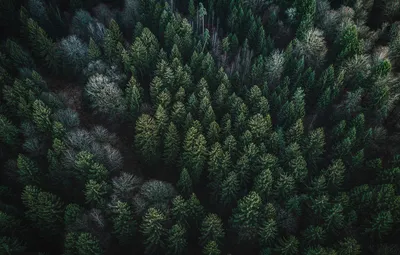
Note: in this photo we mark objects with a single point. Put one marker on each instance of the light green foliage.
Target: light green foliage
(181, 210)
(144, 51)
(268, 232)
(147, 141)
(335, 172)
(94, 52)
(347, 43)
(44, 210)
(153, 230)
(194, 153)
(177, 242)
(95, 193)
(246, 217)
(123, 223)
(212, 229)
(211, 248)
(263, 183)
(41, 116)
(260, 127)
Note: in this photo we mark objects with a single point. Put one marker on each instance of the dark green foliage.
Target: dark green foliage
(123, 223)
(153, 230)
(44, 210)
(177, 240)
(212, 230)
(8, 132)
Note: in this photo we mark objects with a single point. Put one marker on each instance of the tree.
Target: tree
(212, 229)
(211, 248)
(194, 153)
(288, 246)
(181, 211)
(313, 47)
(176, 242)
(246, 216)
(144, 51)
(112, 37)
(380, 224)
(260, 127)
(74, 54)
(153, 230)
(133, 98)
(124, 225)
(347, 43)
(335, 172)
(147, 140)
(71, 214)
(44, 210)
(268, 232)
(94, 52)
(314, 234)
(349, 246)
(184, 183)
(11, 245)
(8, 132)
(263, 183)
(29, 173)
(171, 144)
(95, 193)
(41, 116)
(43, 47)
(105, 97)
(230, 188)
(86, 243)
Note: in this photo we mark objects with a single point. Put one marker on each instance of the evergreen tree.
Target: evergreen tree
(95, 193)
(123, 223)
(94, 52)
(147, 140)
(41, 116)
(263, 183)
(211, 248)
(246, 217)
(184, 183)
(133, 98)
(212, 230)
(153, 230)
(86, 243)
(229, 189)
(8, 132)
(194, 153)
(176, 242)
(44, 210)
(288, 246)
(112, 37)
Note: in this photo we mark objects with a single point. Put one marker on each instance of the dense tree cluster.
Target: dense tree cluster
(200, 127)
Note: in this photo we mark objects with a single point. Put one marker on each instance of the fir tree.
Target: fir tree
(153, 230)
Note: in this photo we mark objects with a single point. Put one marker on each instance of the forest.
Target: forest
(202, 127)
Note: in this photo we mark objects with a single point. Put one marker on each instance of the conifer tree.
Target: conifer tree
(112, 37)
(194, 153)
(147, 140)
(44, 210)
(211, 230)
(153, 230)
(123, 223)
(86, 243)
(211, 248)
(185, 184)
(288, 246)
(29, 173)
(94, 52)
(95, 193)
(246, 217)
(177, 242)
(181, 210)
(133, 98)
(8, 132)
(229, 189)
(263, 183)
(41, 115)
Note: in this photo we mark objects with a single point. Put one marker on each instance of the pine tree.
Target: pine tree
(196, 210)
(184, 183)
(44, 210)
(212, 229)
(180, 210)
(314, 234)
(177, 242)
(71, 214)
(133, 98)
(260, 127)
(41, 116)
(8, 132)
(380, 224)
(29, 173)
(147, 140)
(153, 230)
(194, 153)
(268, 232)
(171, 144)
(288, 246)
(335, 172)
(112, 37)
(144, 51)
(246, 217)
(88, 244)
(349, 246)
(95, 193)
(211, 248)
(94, 52)
(124, 225)
(263, 183)
(347, 43)
(162, 119)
